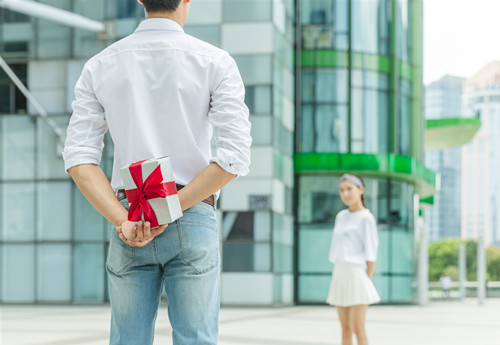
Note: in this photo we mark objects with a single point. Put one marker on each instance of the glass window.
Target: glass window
(18, 273)
(89, 273)
(319, 199)
(314, 246)
(54, 272)
(370, 26)
(405, 130)
(313, 287)
(261, 130)
(282, 258)
(13, 17)
(402, 251)
(17, 147)
(88, 223)
(258, 99)
(331, 85)
(53, 40)
(324, 24)
(246, 257)
(255, 69)
(127, 8)
(12, 100)
(370, 121)
(401, 203)
(18, 211)
(323, 128)
(48, 149)
(246, 10)
(207, 33)
(403, 31)
(54, 210)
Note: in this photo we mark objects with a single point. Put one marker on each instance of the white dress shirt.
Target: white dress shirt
(355, 238)
(160, 92)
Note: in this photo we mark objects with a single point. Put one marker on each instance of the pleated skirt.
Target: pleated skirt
(351, 286)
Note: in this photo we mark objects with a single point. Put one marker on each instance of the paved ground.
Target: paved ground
(440, 323)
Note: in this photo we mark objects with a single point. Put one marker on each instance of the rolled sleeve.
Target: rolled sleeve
(370, 239)
(87, 126)
(228, 115)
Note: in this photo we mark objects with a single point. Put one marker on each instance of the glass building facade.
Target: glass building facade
(358, 105)
(332, 86)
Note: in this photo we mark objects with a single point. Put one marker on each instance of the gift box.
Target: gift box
(151, 191)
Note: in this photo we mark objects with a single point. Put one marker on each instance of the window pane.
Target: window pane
(89, 273)
(207, 33)
(255, 69)
(314, 288)
(319, 199)
(18, 147)
(403, 31)
(331, 128)
(247, 10)
(246, 257)
(18, 273)
(324, 24)
(258, 99)
(306, 143)
(54, 272)
(370, 26)
(89, 224)
(50, 162)
(18, 211)
(402, 251)
(282, 258)
(314, 246)
(331, 85)
(54, 210)
(402, 290)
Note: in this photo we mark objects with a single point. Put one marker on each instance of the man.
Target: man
(161, 92)
(445, 281)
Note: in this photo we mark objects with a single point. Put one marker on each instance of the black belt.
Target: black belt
(120, 194)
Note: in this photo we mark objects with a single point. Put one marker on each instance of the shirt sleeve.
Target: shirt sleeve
(87, 126)
(370, 239)
(228, 115)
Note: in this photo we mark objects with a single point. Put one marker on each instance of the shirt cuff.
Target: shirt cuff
(230, 167)
(81, 155)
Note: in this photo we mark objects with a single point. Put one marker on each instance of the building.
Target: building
(481, 157)
(443, 101)
(341, 92)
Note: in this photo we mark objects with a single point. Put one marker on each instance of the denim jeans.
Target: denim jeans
(185, 260)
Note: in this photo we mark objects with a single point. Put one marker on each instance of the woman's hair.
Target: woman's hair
(363, 183)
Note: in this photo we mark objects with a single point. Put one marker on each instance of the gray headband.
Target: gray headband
(352, 179)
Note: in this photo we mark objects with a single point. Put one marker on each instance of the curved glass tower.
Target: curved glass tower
(359, 109)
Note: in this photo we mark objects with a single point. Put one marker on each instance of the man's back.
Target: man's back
(156, 88)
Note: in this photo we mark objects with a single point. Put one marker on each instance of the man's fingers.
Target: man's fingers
(143, 243)
(146, 231)
(124, 239)
(158, 230)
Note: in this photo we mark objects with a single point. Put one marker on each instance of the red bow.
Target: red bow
(150, 189)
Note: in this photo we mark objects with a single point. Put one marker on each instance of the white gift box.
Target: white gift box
(167, 209)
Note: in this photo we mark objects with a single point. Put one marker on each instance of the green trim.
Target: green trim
(324, 58)
(429, 201)
(349, 78)
(450, 132)
(437, 123)
(417, 108)
(340, 59)
(378, 165)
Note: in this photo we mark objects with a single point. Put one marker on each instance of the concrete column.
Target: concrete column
(461, 270)
(481, 270)
(423, 264)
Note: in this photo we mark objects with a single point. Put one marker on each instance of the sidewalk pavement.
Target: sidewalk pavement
(439, 323)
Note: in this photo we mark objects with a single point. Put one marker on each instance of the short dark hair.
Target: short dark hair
(160, 5)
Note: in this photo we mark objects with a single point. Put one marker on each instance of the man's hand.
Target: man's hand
(138, 234)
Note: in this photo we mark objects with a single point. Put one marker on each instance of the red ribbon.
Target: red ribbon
(150, 189)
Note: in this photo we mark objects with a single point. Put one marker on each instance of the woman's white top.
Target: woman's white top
(355, 237)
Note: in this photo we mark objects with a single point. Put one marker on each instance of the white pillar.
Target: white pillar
(423, 264)
(461, 270)
(481, 270)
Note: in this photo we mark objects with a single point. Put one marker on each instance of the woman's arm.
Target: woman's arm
(370, 266)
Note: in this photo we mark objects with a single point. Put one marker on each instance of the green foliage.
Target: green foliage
(443, 257)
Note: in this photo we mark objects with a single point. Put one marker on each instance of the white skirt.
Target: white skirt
(351, 286)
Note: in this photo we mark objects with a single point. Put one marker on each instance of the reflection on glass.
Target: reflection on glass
(403, 31)
(324, 24)
(370, 26)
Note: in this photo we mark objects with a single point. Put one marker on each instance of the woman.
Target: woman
(353, 252)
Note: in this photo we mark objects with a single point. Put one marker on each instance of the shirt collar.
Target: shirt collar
(159, 24)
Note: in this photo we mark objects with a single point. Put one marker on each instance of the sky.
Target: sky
(460, 37)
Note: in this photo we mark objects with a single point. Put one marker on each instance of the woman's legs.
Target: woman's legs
(358, 314)
(346, 322)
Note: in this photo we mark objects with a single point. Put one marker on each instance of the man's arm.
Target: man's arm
(207, 182)
(95, 186)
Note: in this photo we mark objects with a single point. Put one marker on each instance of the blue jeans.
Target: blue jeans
(184, 259)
